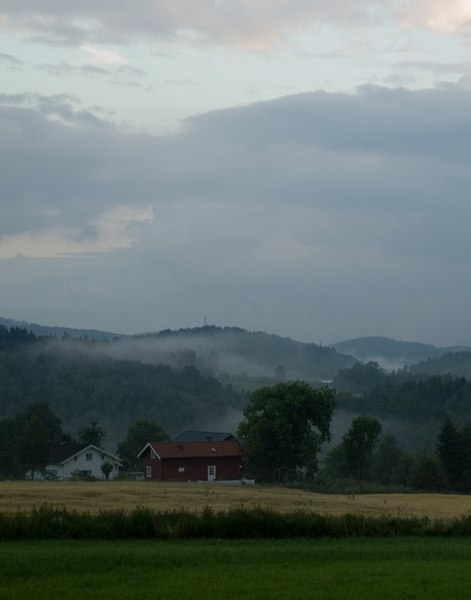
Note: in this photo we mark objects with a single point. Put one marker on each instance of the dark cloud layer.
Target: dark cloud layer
(321, 216)
(255, 24)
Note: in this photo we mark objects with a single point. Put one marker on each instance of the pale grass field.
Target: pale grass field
(95, 496)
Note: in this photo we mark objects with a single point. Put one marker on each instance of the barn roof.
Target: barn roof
(200, 449)
(202, 436)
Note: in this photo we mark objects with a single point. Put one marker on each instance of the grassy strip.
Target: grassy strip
(325, 569)
(47, 522)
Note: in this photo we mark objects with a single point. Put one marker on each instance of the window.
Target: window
(153, 453)
(148, 471)
(89, 456)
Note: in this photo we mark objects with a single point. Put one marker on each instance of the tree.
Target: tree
(93, 434)
(388, 462)
(452, 453)
(353, 457)
(9, 468)
(137, 437)
(42, 411)
(280, 373)
(359, 443)
(466, 441)
(285, 426)
(106, 469)
(38, 429)
(427, 473)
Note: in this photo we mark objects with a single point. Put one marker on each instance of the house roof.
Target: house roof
(63, 451)
(206, 449)
(67, 450)
(202, 436)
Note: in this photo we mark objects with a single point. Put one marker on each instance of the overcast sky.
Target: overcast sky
(299, 167)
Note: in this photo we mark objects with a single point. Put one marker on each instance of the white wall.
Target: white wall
(80, 463)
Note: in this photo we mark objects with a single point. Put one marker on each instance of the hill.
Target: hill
(48, 330)
(248, 358)
(452, 363)
(233, 351)
(83, 385)
(391, 353)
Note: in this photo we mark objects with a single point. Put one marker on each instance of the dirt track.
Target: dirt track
(97, 496)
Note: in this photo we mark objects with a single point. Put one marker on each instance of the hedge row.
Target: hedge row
(47, 522)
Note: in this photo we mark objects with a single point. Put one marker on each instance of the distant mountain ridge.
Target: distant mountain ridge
(391, 353)
(214, 350)
(451, 363)
(233, 350)
(48, 330)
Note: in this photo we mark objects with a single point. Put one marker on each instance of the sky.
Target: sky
(298, 167)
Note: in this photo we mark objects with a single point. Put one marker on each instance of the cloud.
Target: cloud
(11, 62)
(319, 215)
(123, 75)
(115, 228)
(256, 25)
(408, 71)
(60, 107)
(104, 56)
(249, 24)
(253, 24)
(439, 68)
(443, 16)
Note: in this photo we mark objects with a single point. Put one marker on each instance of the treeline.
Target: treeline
(82, 385)
(404, 395)
(363, 456)
(456, 363)
(28, 440)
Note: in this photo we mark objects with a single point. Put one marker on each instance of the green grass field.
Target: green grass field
(356, 569)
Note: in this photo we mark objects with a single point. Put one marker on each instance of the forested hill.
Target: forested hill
(418, 401)
(83, 386)
(453, 363)
(234, 350)
(214, 350)
(390, 353)
(48, 330)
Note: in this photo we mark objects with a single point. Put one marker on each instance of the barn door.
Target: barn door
(211, 472)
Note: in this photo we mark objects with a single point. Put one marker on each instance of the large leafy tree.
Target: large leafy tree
(284, 426)
(92, 434)
(359, 443)
(9, 467)
(389, 461)
(137, 437)
(354, 456)
(37, 430)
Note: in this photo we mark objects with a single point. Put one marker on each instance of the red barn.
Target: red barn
(208, 460)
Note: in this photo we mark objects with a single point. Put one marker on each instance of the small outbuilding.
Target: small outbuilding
(208, 460)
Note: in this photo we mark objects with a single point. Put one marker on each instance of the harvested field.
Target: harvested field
(95, 496)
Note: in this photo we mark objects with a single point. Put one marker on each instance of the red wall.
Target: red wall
(227, 468)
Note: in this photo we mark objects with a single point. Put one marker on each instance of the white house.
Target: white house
(68, 458)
